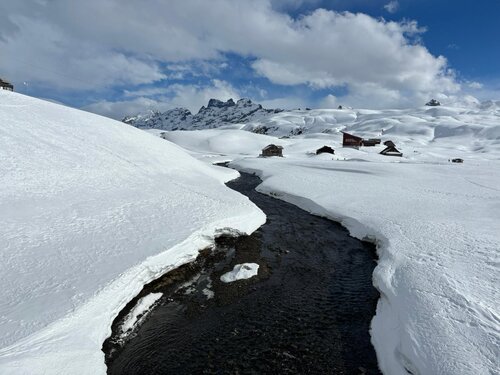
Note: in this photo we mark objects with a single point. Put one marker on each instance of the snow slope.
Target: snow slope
(436, 224)
(91, 209)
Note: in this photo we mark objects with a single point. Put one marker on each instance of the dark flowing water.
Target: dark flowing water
(308, 311)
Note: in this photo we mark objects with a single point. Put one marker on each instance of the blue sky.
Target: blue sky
(118, 58)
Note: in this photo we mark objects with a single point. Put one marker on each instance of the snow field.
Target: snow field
(435, 223)
(92, 209)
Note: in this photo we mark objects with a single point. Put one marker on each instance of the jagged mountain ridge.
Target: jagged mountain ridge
(217, 113)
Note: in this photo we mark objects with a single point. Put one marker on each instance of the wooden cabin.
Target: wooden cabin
(350, 140)
(391, 151)
(6, 85)
(371, 142)
(325, 149)
(272, 150)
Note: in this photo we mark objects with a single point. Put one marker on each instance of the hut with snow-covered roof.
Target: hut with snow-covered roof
(272, 150)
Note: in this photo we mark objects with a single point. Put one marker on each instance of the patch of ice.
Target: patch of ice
(240, 272)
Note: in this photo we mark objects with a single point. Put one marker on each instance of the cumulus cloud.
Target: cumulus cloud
(191, 97)
(392, 6)
(131, 43)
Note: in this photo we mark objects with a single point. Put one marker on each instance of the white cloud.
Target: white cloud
(291, 102)
(392, 6)
(475, 85)
(71, 45)
(293, 4)
(329, 101)
(119, 109)
(42, 52)
(293, 74)
(191, 97)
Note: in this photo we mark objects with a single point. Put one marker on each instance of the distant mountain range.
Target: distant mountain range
(428, 122)
(217, 113)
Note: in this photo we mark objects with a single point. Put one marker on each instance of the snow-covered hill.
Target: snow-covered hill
(214, 115)
(90, 210)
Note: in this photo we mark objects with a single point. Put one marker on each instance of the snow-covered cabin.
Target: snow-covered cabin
(272, 150)
(350, 140)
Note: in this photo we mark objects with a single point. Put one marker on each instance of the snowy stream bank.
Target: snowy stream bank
(307, 309)
(92, 209)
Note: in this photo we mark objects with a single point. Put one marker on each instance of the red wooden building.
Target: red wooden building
(350, 140)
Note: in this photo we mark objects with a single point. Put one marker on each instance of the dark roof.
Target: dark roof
(272, 146)
(391, 151)
(352, 136)
(325, 149)
(389, 144)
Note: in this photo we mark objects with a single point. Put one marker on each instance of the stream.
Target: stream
(308, 310)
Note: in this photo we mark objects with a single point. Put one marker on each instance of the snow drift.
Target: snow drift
(91, 209)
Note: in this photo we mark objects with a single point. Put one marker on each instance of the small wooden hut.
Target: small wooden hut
(391, 151)
(325, 149)
(272, 150)
(6, 85)
(350, 140)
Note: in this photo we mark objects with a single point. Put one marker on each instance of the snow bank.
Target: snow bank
(436, 224)
(140, 309)
(91, 210)
(240, 272)
(436, 230)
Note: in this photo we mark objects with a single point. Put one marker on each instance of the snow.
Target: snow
(240, 272)
(139, 311)
(435, 223)
(92, 209)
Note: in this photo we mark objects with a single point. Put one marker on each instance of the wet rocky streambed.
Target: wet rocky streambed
(308, 310)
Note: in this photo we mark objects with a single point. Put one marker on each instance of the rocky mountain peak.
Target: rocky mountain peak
(220, 104)
(216, 113)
